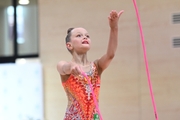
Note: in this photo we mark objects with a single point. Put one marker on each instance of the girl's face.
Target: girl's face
(80, 41)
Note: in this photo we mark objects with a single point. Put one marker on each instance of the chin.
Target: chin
(85, 50)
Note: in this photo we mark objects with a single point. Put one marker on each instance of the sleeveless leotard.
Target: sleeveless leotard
(81, 105)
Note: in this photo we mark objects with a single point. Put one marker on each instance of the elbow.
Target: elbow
(111, 56)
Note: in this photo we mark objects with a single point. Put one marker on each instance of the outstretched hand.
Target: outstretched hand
(114, 18)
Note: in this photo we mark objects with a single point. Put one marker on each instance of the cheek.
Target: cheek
(90, 42)
(76, 42)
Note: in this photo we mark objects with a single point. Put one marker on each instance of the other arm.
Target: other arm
(105, 60)
(67, 68)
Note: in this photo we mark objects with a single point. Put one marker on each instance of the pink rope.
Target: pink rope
(94, 98)
(146, 61)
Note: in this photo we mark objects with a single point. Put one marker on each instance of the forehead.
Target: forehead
(79, 30)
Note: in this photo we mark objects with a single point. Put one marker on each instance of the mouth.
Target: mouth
(85, 42)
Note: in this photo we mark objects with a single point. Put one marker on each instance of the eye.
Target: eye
(78, 35)
(87, 36)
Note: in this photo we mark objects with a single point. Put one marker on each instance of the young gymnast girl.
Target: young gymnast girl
(81, 105)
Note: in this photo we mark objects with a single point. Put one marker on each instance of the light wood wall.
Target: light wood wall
(124, 91)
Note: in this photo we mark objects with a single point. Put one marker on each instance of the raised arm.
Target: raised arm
(104, 61)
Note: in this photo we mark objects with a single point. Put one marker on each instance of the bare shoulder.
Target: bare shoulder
(62, 74)
(60, 64)
(59, 67)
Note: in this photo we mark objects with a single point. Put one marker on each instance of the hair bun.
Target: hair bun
(69, 30)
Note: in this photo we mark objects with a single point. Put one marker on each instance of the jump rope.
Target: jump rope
(146, 64)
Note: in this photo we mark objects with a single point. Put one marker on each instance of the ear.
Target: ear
(69, 46)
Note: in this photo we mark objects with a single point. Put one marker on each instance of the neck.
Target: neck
(80, 59)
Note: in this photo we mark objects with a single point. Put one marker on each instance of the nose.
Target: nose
(85, 37)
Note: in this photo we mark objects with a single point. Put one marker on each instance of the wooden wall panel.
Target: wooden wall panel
(124, 90)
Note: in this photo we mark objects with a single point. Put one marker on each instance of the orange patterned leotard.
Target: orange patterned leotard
(81, 105)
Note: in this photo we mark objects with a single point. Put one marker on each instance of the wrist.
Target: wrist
(114, 28)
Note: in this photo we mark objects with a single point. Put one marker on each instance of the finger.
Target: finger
(73, 73)
(79, 69)
(109, 18)
(76, 71)
(119, 14)
(114, 14)
(113, 11)
(110, 14)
